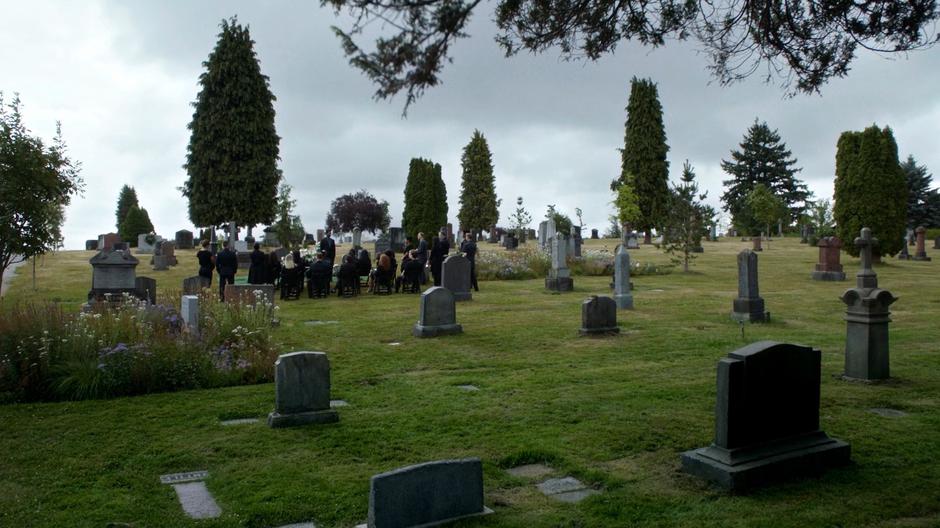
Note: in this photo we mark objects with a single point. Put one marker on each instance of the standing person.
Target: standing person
(226, 262)
(436, 259)
(272, 269)
(256, 272)
(421, 255)
(328, 247)
(206, 262)
(469, 249)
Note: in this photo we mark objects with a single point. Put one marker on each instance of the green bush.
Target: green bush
(130, 348)
(531, 263)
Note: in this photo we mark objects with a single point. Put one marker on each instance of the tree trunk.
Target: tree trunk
(232, 232)
(648, 237)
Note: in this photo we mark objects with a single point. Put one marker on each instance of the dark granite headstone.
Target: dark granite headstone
(113, 274)
(91, 245)
(184, 239)
(301, 390)
(194, 285)
(426, 494)
(244, 259)
(749, 306)
(599, 316)
(107, 241)
(438, 315)
(146, 289)
(594, 235)
(936, 243)
(249, 293)
(455, 276)
(396, 238)
(829, 267)
(766, 420)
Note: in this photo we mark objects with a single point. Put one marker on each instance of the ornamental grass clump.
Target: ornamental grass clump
(130, 347)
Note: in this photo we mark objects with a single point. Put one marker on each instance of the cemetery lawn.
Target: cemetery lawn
(613, 412)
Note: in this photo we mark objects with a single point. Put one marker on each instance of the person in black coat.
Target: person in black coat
(469, 249)
(206, 262)
(328, 248)
(256, 272)
(272, 270)
(226, 262)
(436, 259)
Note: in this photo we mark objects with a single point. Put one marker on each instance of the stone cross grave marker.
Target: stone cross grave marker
(427, 494)
(599, 316)
(301, 390)
(438, 314)
(455, 273)
(749, 306)
(766, 420)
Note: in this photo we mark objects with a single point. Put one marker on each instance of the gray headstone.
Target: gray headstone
(189, 311)
(113, 270)
(866, 318)
(302, 390)
(749, 306)
(438, 314)
(622, 295)
(559, 276)
(184, 239)
(193, 285)
(455, 273)
(550, 233)
(240, 246)
(160, 263)
(766, 419)
(357, 237)
(599, 316)
(543, 229)
(144, 247)
(426, 494)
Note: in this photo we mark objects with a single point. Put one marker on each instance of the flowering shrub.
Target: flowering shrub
(531, 263)
(130, 348)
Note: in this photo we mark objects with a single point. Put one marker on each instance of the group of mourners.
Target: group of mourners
(319, 269)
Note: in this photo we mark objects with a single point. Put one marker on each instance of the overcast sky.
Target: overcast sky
(120, 76)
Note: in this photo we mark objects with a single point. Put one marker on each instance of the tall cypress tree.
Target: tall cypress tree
(923, 203)
(479, 208)
(764, 159)
(233, 149)
(425, 198)
(643, 158)
(126, 199)
(870, 190)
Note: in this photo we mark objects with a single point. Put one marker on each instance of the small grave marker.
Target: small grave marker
(302, 390)
(567, 489)
(530, 471)
(193, 495)
(888, 413)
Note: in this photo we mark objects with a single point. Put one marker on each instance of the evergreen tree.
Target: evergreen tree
(288, 227)
(643, 158)
(764, 159)
(479, 207)
(923, 203)
(686, 219)
(126, 199)
(521, 218)
(425, 199)
(137, 222)
(870, 190)
(562, 221)
(233, 150)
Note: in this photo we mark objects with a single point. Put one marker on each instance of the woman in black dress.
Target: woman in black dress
(206, 262)
(256, 272)
(436, 259)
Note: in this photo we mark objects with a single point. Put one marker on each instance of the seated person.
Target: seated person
(363, 262)
(382, 274)
(410, 278)
(292, 279)
(319, 274)
(348, 276)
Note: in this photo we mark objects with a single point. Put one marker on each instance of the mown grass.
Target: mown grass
(614, 412)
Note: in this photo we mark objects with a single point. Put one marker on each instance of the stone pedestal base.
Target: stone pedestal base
(613, 330)
(828, 275)
(561, 284)
(463, 296)
(276, 419)
(751, 467)
(433, 331)
(751, 310)
(624, 302)
(866, 349)
(921, 257)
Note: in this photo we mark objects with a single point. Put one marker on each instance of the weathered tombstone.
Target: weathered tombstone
(574, 242)
(543, 226)
(144, 247)
(530, 234)
(909, 236)
(160, 263)
(594, 235)
(920, 253)
(193, 285)
(428, 494)
(382, 244)
(559, 276)
(244, 259)
(766, 420)
(829, 268)
(502, 240)
(494, 236)
(936, 243)
(184, 239)
(301, 390)
(903, 254)
(632, 241)
(189, 312)
(91, 245)
(113, 273)
(756, 243)
(714, 233)
(107, 241)
(599, 316)
(804, 233)
(749, 306)
(396, 237)
(867, 318)
(240, 246)
(550, 233)
(249, 293)
(455, 273)
(622, 296)
(357, 237)
(146, 289)
(168, 250)
(438, 314)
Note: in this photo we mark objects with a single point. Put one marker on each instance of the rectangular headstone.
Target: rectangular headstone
(426, 494)
(250, 293)
(146, 289)
(599, 316)
(193, 285)
(455, 276)
(302, 390)
(189, 311)
(438, 314)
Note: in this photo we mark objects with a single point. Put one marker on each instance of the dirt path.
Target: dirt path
(7, 275)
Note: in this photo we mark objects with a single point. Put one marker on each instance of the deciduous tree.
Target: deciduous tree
(358, 210)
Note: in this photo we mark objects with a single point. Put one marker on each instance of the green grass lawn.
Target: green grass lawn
(614, 412)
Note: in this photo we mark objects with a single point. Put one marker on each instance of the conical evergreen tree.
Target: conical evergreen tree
(436, 206)
(923, 203)
(643, 158)
(870, 190)
(763, 158)
(137, 222)
(233, 150)
(479, 208)
(126, 199)
(425, 199)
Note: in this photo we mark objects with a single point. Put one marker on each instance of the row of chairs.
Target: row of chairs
(348, 285)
